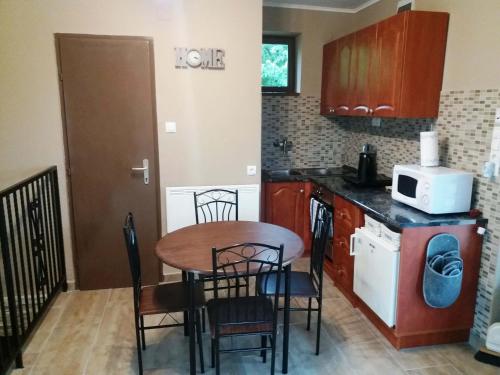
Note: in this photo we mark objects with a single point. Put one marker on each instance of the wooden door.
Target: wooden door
(328, 81)
(341, 79)
(285, 205)
(389, 66)
(108, 98)
(362, 71)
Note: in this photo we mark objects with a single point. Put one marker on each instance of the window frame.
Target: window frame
(290, 41)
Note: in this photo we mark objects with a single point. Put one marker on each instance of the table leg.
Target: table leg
(286, 319)
(186, 317)
(191, 323)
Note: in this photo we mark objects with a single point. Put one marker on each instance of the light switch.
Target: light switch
(170, 127)
(251, 170)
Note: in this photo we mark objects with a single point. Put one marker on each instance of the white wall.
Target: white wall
(217, 112)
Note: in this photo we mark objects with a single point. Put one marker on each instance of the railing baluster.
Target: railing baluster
(48, 235)
(58, 228)
(33, 234)
(53, 238)
(14, 348)
(15, 268)
(24, 214)
(21, 258)
(43, 234)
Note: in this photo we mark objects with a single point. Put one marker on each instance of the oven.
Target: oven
(315, 201)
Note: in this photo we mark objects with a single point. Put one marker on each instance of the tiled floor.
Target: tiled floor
(92, 333)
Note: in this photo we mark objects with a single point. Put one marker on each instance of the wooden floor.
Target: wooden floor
(92, 333)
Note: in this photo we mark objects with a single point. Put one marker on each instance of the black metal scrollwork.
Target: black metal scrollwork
(37, 242)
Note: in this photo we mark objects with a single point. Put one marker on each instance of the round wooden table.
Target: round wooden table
(190, 250)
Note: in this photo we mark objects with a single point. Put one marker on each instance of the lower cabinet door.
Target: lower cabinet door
(344, 263)
(285, 205)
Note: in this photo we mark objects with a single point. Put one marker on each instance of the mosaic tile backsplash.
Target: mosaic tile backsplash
(465, 126)
(315, 142)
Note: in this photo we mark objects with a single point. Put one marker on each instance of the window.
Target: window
(278, 64)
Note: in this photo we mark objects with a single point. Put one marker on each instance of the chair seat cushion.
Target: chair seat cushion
(301, 285)
(171, 297)
(253, 314)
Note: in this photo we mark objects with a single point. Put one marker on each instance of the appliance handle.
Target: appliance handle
(351, 244)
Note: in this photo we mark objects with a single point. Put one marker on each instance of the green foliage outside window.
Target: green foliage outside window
(274, 65)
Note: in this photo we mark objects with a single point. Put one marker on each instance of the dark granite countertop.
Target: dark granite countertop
(378, 203)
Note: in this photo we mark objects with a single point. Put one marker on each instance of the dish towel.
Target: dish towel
(313, 209)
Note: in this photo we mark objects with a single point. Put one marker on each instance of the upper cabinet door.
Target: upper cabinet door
(329, 55)
(342, 83)
(388, 67)
(363, 77)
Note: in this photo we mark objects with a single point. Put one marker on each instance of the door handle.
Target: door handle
(144, 169)
(351, 247)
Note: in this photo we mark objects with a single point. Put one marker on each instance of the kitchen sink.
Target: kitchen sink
(284, 172)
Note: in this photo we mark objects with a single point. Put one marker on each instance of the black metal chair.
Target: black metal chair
(157, 299)
(244, 314)
(306, 284)
(216, 205)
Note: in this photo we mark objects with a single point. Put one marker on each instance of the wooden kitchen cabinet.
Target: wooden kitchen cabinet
(395, 68)
(347, 217)
(337, 73)
(287, 205)
(363, 71)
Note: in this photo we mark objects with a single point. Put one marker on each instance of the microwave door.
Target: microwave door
(407, 186)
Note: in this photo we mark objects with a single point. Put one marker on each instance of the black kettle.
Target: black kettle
(367, 166)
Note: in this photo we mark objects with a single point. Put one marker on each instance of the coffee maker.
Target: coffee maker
(367, 165)
(366, 175)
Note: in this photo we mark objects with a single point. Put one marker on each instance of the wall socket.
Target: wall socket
(251, 170)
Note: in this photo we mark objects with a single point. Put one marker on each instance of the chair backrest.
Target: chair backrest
(233, 263)
(321, 231)
(133, 253)
(216, 205)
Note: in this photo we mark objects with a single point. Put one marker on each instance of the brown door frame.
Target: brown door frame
(57, 37)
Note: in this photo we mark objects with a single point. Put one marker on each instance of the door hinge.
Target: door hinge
(68, 171)
(60, 77)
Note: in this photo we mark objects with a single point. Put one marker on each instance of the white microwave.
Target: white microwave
(435, 190)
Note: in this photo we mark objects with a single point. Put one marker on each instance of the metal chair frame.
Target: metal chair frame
(244, 261)
(322, 225)
(131, 242)
(215, 205)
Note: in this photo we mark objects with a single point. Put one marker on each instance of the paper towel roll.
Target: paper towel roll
(429, 151)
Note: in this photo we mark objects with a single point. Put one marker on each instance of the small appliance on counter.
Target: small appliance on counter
(435, 190)
(428, 187)
(366, 175)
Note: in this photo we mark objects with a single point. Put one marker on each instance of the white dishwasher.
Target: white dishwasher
(376, 268)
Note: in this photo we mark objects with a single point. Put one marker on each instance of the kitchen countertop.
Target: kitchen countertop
(378, 203)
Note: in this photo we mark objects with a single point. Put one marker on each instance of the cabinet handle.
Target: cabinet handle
(342, 215)
(382, 107)
(344, 107)
(370, 111)
(332, 110)
(301, 190)
(361, 107)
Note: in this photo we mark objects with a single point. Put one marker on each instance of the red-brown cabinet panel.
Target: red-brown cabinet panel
(363, 77)
(388, 67)
(284, 205)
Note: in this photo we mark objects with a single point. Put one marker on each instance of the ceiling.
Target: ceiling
(345, 6)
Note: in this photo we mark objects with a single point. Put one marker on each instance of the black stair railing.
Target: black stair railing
(32, 268)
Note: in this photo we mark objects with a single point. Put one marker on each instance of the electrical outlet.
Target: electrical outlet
(251, 170)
